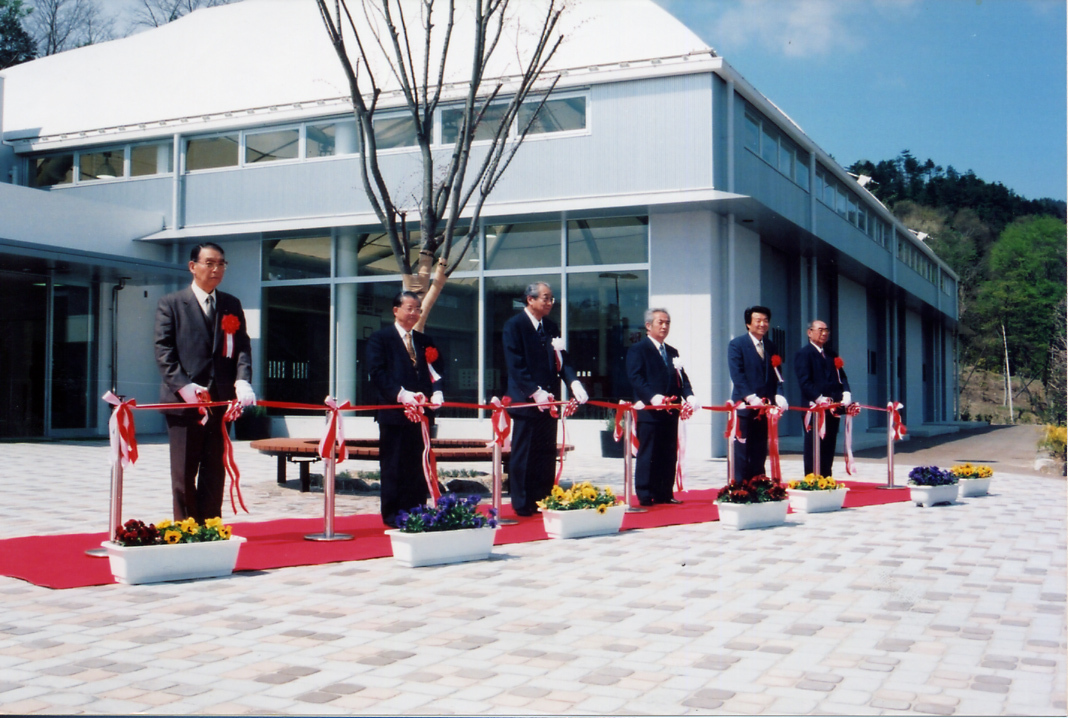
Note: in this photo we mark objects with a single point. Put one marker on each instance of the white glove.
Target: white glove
(192, 393)
(821, 399)
(847, 398)
(579, 392)
(436, 400)
(542, 399)
(754, 400)
(657, 400)
(693, 402)
(408, 398)
(780, 401)
(244, 392)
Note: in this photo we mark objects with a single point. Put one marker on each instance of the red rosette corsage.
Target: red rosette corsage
(838, 363)
(776, 361)
(229, 324)
(431, 355)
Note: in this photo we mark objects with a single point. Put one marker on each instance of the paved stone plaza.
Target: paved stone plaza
(895, 609)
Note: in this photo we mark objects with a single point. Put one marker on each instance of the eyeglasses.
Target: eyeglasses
(214, 265)
(547, 298)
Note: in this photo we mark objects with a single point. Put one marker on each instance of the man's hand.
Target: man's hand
(821, 399)
(754, 400)
(693, 402)
(780, 401)
(245, 395)
(657, 400)
(579, 392)
(847, 398)
(436, 400)
(194, 394)
(410, 399)
(542, 398)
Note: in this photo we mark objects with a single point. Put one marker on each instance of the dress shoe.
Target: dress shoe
(671, 501)
(645, 502)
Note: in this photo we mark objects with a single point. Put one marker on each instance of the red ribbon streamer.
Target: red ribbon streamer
(415, 413)
(501, 420)
(122, 431)
(850, 464)
(773, 414)
(229, 462)
(897, 428)
(332, 445)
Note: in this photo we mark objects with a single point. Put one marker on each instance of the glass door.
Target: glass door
(74, 395)
(23, 328)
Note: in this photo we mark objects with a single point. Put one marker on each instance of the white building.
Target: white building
(659, 178)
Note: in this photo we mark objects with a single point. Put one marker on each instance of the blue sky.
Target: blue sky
(976, 84)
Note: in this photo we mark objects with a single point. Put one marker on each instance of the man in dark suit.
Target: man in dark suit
(533, 372)
(820, 381)
(655, 376)
(204, 354)
(401, 373)
(749, 358)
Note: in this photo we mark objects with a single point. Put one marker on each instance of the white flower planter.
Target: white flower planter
(438, 547)
(173, 562)
(817, 501)
(931, 495)
(583, 522)
(753, 516)
(974, 487)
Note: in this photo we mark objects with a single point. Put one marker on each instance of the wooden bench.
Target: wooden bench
(305, 452)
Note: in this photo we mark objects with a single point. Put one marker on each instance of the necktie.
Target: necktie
(209, 313)
(409, 347)
(760, 349)
(663, 353)
(541, 332)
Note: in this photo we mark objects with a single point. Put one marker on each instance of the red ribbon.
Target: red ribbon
(233, 411)
(415, 413)
(501, 420)
(897, 428)
(122, 431)
(733, 429)
(820, 410)
(332, 445)
(622, 409)
(567, 409)
(773, 414)
(850, 464)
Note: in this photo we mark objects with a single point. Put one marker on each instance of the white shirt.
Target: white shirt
(534, 320)
(818, 347)
(756, 342)
(202, 296)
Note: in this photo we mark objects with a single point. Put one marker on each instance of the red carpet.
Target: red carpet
(60, 561)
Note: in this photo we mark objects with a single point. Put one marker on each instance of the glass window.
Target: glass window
(397, 131)
(296, 257)
(332, 138)
(53, 170)
(619, 240)
(106, 164)
(842, 207)
(504, 299)
(769, 148)
(853, 208)
(515, 246)
(786, 160)
(151, 159)
(296, 322)
(207, 153)
(486, 129)
(752, 134)
(862, 219)
(605, 312)
(561, 115)
(271, 146)
(453, 326)
(801, 170)
(830, 194)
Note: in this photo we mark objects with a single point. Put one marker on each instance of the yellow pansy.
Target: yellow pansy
(164, 524)
(214, 523)
(225, 532)
(602, 508)
(172, 536)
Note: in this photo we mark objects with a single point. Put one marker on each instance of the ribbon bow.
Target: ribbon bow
(416, 415)
(121, 430)
(333, 442)
(501, 420)
(820, 410)
(733, 429)
(773, 414)
(897, 429)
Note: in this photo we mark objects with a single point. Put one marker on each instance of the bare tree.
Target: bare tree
(153, 13)
(412, 53)
(59, 25)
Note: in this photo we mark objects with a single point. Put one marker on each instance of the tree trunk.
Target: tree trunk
(1008, 374)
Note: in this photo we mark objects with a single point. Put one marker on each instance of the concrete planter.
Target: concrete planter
(932, 495)
(173, 562)
(814, 502)
(753, 516)
(440, 547)
(974, 487)
(583, 522)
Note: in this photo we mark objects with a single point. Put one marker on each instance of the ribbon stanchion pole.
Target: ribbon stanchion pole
(816, 446)
(329, 469)
(114, 511)
(498, 485)
(889, 450)
(628, 468)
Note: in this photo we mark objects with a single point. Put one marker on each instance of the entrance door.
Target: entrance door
(23, 332)
(74, 395)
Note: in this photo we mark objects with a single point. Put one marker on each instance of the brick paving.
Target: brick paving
(896, 609)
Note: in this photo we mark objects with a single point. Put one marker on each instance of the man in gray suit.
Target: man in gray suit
(204, 354)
